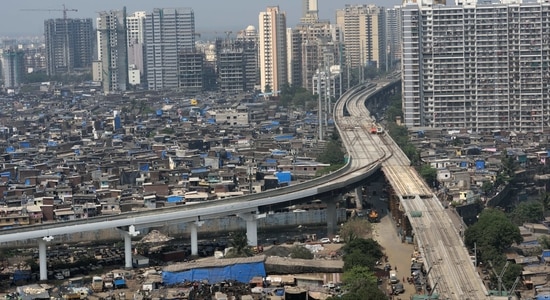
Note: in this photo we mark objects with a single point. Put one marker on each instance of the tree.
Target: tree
(332, 154)
(544, 241)
(486, 187)
(545, 204)
(492, 233)
(362, 252)
(526, 212)
(355, 228)
(357, 258)
(299, 251)
(361, 284)
(239, 245)
(429, 174)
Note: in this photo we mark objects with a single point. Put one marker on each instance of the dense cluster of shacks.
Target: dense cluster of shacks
(72, 154)
(465, 160)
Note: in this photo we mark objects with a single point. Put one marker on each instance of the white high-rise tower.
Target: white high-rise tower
(168, 31)
(310, 12)
(272, 34)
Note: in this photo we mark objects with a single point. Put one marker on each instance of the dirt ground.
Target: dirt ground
(399, 254)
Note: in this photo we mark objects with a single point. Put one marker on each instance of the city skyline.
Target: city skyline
(15, 22)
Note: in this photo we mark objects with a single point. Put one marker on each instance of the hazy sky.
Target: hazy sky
(210, 15)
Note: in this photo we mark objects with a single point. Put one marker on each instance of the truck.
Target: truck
(97, 284)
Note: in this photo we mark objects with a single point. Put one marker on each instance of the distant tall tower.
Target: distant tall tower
(248, 41)
(310, 12)
(272, 40)
(364, 31)
(12, 67)
(393, 35)
(135, 24)
(168, 32)
(113, 50)
(68, 44)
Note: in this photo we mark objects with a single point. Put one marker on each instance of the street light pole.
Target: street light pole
(250, 171)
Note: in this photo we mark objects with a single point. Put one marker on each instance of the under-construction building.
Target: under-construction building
(69, 45)
(190, 71)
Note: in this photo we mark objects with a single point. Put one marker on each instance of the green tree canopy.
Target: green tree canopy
(360, 284)
(493, 231)
(239, 245)
(362, 252)
(332, 154)
(526, 212)
(429, 174)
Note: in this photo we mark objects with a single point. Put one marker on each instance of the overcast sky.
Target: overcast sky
(210, 15)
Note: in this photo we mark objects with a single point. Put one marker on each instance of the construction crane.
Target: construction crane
(64, 10)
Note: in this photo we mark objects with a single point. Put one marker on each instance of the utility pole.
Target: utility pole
(499, 276)
(319, 104)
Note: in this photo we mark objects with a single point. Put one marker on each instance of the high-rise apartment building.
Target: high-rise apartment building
(248, 41)
(69, 44)
(12, 67)
(168, 32)
(315, 46)
(273, 59)
(363, 27)
(135, 23)
(477, 67)
(113, 50)
(310, 12)
(393, 36)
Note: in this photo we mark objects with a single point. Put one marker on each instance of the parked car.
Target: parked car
(398, 288)
(325, 241)
(59, 276)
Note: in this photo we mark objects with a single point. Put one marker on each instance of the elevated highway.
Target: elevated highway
(415, 206)
(365, 159)
(441, 245)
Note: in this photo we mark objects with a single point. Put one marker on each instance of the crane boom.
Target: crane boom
(64, 10)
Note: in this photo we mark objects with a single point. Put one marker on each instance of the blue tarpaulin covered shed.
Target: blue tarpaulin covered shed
(284, 177)
(239, 269)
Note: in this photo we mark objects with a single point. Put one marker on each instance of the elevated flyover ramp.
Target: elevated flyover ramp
(437, 239)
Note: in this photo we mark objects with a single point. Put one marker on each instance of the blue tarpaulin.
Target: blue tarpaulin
(480, 164)
(283, 177)
(174, 198)
(281, 138)
(199, 170)
(239, 272)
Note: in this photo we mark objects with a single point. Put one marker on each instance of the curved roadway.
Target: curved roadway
(437, 237)
(435, 234)
(360, 166)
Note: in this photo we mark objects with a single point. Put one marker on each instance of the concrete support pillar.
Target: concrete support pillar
(128, 234)
(251, 227)
(42, 259)
(127, 251)
(359, 198)
(332, 218)
(194, 240)
(252, 231)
